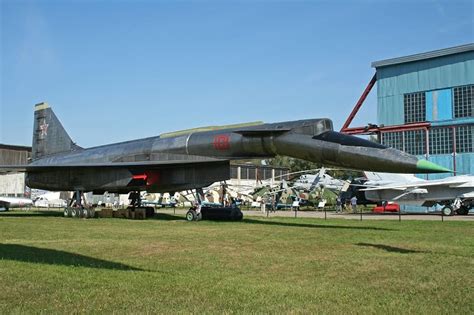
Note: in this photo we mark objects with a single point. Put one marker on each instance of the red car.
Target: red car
(392, 207)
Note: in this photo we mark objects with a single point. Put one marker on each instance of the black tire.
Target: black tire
(236, 215)
(463, 210)
(191, 215)
(75, 212)
(240, 216)
(66, 212)
(149, 212)
(447, 211)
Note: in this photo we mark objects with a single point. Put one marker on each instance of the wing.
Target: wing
(128, 165)
(452, 183)
(411, 191)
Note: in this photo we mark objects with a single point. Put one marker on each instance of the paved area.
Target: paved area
(348, 216)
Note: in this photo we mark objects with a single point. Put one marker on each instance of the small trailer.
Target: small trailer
(215, 213)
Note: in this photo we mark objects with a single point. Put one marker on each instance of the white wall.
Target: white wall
(12, 184)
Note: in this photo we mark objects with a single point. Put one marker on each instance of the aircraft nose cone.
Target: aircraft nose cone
(425, 166)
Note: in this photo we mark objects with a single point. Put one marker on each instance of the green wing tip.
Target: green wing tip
(427, 166)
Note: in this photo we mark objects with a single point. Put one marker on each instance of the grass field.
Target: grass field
(53, 264)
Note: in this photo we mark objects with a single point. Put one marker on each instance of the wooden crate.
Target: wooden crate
(140, 214)
(121, 213)
(105, 213)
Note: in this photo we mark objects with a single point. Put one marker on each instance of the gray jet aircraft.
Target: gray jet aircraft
(455, 193)
(194, 158)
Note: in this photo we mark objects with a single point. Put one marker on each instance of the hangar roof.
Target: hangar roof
(425, 55)
(15, 147)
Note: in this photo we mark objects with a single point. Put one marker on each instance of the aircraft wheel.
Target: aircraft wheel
(75, 212)
(236, 215)
(191, 215)
(463, 210)
(150, 212)
(447, 211)
(67, 213)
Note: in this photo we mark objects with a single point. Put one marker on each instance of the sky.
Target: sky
(120, 70)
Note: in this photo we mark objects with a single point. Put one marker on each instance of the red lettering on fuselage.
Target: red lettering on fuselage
(221, 142)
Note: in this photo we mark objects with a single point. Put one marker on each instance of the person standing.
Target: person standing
(338, 204)
(354, 204)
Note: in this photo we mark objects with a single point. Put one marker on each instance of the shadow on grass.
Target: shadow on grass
(167, 217)
(391, 249)
(26, 213)
(56, 257)
(316, 226)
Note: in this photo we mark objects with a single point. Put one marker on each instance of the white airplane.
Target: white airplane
(6, 203)
(455, 193)
(50, 200)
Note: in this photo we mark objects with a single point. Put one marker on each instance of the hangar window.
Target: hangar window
(463, 99)
(249, 172)
(234, 172)
(253, 173)
(245, 173)
(267, 173)
(464, 139)
(441, 141)
(415, 142)
(393, 139)
(414, 105)
(279, 174)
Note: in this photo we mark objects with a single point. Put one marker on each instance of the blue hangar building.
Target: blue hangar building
(425, 106)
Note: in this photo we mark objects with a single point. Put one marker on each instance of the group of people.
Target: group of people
(346, 204)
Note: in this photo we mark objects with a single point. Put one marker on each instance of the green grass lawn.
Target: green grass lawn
(53, 264)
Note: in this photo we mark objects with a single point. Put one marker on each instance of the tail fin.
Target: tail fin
(318, 178)
(49, 136)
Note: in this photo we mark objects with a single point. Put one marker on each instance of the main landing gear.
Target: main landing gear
(76, 208)
(136, 204)
(194, 213)
(458, 206)
(463, 210)
(447, 210)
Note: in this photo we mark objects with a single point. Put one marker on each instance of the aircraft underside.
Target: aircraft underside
(116, 180)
